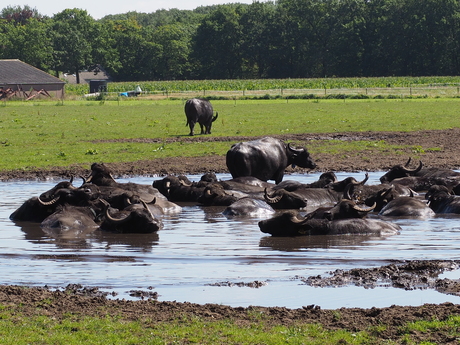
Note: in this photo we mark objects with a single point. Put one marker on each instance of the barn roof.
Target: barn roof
(18, 72)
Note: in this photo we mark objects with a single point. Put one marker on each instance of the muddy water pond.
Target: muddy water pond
(201, 256)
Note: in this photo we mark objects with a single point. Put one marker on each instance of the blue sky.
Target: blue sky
(100, 8)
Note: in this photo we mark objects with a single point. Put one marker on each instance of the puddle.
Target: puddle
(200, 248)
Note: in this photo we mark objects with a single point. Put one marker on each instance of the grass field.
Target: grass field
(48, 133)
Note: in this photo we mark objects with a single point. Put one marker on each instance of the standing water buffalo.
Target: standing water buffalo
(266, 159)
(199, 110)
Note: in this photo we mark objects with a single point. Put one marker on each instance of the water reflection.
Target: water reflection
(292, 244)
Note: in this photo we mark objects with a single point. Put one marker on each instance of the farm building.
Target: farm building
(97, 79)
(18, 79)
(98, 73)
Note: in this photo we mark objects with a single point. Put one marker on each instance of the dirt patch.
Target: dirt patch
(434, 148)
(416, 274)
(384, 323)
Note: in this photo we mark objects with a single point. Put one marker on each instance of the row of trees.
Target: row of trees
(282, 39)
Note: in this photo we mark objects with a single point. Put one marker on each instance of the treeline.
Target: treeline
(282, 39)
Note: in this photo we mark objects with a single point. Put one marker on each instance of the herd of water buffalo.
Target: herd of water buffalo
(290, 208)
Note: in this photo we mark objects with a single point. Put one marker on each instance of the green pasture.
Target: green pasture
(43, 134)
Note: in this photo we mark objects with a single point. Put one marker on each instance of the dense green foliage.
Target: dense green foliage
(282, 39)
(45, 133)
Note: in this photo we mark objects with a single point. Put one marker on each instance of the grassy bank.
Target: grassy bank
(73, 329)
(45, 133)
(16, 328)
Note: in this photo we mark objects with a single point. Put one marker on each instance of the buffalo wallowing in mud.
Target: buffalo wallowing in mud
(324, 207)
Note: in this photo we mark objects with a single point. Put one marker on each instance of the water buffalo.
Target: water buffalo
(36, 209)
(215, 195)
(378, 194)
(326, 180)
(441, 201)
(249, 207)
(283, 199)
(423, 183)
(246, 184)
(266, 159)
(102, 177)
(136, 218)
(406, 206)
(399, 171)
(181, 189)
(342, 210)
(290, 224)
(70, 222)
(199, 110)
(314, 197)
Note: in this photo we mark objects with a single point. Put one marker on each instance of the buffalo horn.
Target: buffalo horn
(408, 162)
(271, 199)
(348, 192)
(293, 149)
(296, 220)
(361, 209)
(48, 203)
(112, 219)
(168, 187)
(182, 182)
(363, 181)
(147, 208)
(385, 192)
(71, 185)
(89, 178)
(413, 171)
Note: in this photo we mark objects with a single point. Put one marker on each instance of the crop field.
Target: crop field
(280, 86)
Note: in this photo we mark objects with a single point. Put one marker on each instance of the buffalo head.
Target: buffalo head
(283, 199)
(400, 171)
(300, 157)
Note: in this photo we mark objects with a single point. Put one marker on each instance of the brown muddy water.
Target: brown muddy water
(201, 256)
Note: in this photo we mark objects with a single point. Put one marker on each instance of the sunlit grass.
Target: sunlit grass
(43, 134)
(73, 329)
